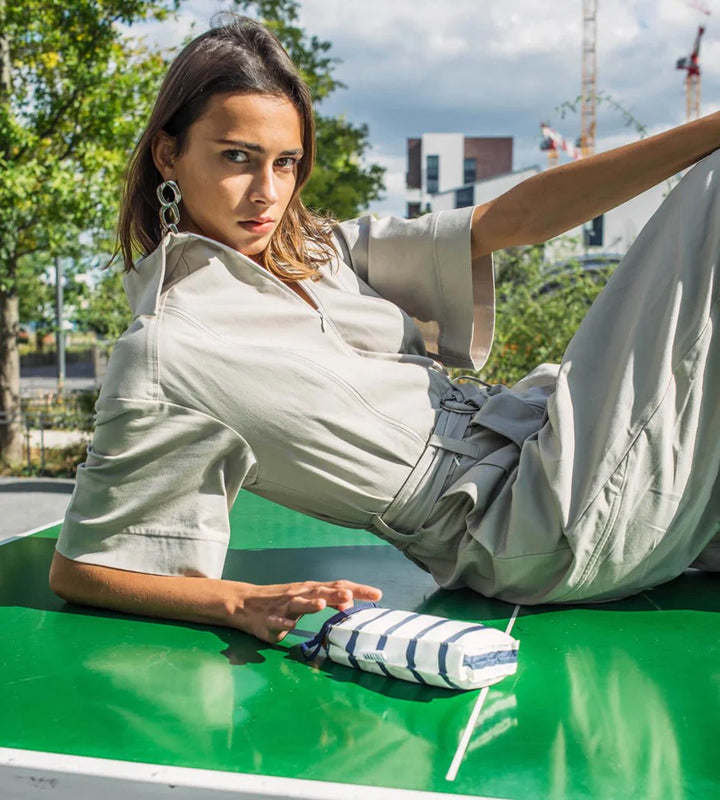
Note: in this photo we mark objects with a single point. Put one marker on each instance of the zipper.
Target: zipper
(330, 324)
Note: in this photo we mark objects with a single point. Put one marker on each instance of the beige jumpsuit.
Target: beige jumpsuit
(584, 482)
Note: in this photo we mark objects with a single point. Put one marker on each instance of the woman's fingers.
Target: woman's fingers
(278, 624)
(340, 591)
(311, 597)
(341, 594)
(363, 592)
(281, 624)
(297, 606)
(346, 592)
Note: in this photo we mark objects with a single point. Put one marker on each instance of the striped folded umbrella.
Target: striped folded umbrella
(416, 647)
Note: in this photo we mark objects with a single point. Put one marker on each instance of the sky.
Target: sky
(496, 68)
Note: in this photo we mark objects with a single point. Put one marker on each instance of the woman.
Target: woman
(273, 351)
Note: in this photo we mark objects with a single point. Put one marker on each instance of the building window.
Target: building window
(432, 174)
(414, 160)
(465, 197)
(593, 232)
(470, 170)
(413, 210)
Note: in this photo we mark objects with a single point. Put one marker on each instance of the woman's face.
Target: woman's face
(238, 169)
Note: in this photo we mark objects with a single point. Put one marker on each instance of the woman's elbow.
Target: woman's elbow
(64, 579)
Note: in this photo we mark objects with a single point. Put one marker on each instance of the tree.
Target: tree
(36, 293)
(538, 311)
(105, 309)
(341, 183)
(73, 94)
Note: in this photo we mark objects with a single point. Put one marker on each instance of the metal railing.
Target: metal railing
(45, 430)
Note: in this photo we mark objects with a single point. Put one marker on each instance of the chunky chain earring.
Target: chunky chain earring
(168, 193)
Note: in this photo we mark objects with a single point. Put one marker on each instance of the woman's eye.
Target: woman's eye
(236, 156)
(287, 162)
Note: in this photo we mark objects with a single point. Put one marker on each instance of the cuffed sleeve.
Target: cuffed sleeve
(154, 493)
(424, 265)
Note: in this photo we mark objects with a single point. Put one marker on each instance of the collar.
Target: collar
(144, 284)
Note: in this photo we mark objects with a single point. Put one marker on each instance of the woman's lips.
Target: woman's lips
(258, 225)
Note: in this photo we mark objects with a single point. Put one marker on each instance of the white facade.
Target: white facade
(446, 162)
(450, 149)
(483, 191)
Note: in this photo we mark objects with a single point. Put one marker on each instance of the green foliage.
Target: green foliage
(537, 312)
(53, 462)
(340, 182)
(70, 412)
(36, 290)
(74, 92)
(604, 98)
(106, 310)
(79, 94)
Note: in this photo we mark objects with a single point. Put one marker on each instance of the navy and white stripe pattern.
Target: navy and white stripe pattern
(417, 647)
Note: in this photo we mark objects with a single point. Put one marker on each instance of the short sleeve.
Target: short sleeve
(154, 493)
(424, 265)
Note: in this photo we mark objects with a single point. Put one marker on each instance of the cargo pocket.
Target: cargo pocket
(467, 499)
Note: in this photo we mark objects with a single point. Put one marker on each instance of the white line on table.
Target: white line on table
(651, 601)
(470, 727)
(30, 533)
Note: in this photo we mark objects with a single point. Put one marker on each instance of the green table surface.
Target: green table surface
(619, 700)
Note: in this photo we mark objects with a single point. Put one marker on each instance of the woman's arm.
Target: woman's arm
(559, 199)
(268, 612)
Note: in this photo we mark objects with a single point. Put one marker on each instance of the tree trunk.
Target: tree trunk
(5, 75)
(11, 442)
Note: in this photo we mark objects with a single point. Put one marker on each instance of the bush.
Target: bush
(537, 312)
(70, 412)
(55, 462)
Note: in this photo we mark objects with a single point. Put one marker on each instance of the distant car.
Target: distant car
(599, 265)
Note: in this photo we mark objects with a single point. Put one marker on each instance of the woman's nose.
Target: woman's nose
(263, 189)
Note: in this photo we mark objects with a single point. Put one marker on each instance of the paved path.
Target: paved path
(54, 438)
(30, 503)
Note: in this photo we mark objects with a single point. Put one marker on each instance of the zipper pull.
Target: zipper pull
(322, 320)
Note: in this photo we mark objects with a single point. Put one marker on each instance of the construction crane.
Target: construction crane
(553, 141)
(701, 7)
(691, 64)
(586, 142)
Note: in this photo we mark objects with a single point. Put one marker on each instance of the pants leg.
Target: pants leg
(631, 450)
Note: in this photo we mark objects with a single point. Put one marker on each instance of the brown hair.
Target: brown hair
(238, 55)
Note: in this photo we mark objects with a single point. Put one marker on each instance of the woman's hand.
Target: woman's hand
(267, 612)
(271, 612)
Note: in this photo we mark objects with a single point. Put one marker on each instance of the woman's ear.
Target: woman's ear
(163, 153)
